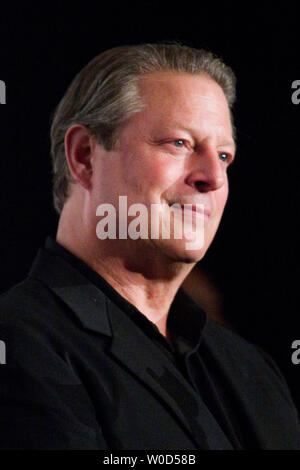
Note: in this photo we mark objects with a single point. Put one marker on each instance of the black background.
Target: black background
(254, 258)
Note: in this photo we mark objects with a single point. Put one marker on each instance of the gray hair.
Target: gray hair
(104, 94)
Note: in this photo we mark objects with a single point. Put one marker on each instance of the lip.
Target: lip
(197, 208)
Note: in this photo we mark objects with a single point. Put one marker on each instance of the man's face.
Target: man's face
(175, 151)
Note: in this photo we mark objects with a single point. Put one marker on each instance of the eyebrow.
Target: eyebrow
(230, 143)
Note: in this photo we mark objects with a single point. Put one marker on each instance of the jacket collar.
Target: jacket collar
(98, 313)
(84, 298)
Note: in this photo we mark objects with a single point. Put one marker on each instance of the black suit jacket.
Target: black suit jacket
(79, 374)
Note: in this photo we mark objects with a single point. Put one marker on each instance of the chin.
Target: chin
(176, 251)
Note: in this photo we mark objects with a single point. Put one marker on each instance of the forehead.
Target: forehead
(177, 82)
(182, 99)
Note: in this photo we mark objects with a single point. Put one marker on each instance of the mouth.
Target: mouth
(197, 209)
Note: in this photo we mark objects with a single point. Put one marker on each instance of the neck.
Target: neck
(146, 278)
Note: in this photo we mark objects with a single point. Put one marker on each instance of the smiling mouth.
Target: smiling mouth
(196, 208)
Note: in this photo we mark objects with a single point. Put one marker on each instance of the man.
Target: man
(103, 349)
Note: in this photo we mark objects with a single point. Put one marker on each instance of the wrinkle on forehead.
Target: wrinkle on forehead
(176, 87)
(187, 99)
(179, 83)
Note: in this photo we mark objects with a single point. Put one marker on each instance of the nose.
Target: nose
(207, 171)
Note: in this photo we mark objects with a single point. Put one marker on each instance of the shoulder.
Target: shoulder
(23, 298)
(43, 402)
(232, 347)
(244, 361)
(227, 340)
(31, 306)
(40, 331)
(31, 325)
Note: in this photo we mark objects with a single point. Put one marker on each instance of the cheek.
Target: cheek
(166, 170)
(221, 198)
(154, 173)
(166, 173)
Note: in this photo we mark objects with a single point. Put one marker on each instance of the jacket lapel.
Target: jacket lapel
(131, 347)
(84, 298)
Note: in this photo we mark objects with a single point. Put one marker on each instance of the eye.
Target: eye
(224, 156)
(179, 143)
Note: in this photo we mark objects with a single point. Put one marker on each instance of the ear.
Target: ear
(79, 147)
